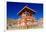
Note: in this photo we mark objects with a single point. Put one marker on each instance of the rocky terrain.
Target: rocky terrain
(17, 24)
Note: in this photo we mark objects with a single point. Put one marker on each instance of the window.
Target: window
(26, 13)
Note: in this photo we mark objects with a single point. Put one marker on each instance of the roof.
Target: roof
(26, 9)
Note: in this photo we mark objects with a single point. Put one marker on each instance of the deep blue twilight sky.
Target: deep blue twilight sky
(14, 7)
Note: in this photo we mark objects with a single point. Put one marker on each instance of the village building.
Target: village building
(27, 18)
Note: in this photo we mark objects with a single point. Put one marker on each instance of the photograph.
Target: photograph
(21, 15)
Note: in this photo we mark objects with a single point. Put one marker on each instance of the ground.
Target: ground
(16, 24)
